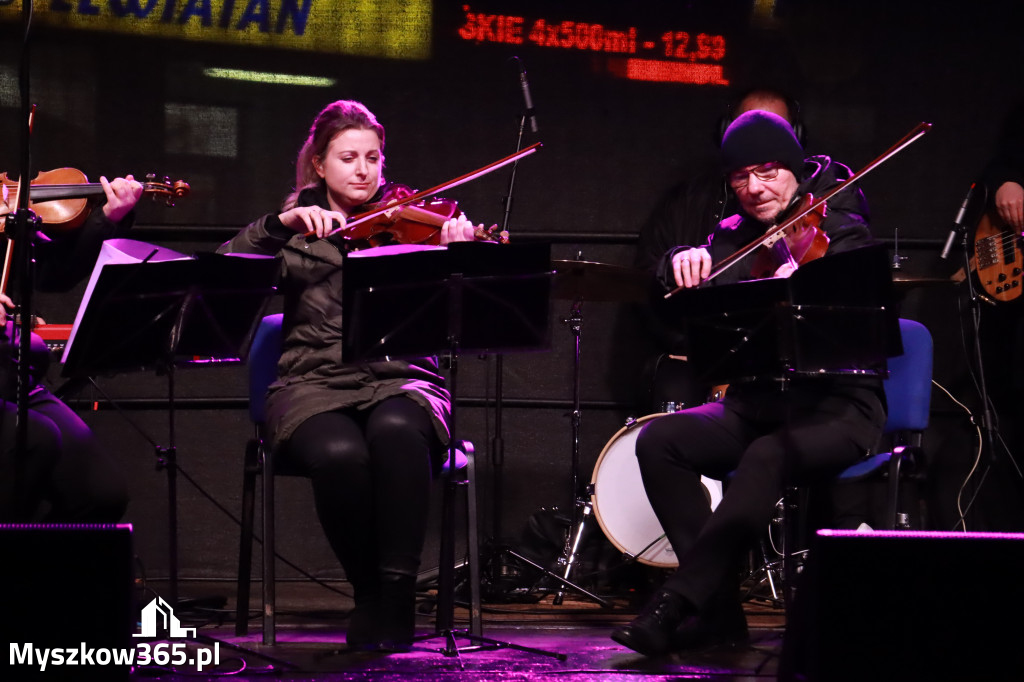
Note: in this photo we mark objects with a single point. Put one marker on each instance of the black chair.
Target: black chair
(262, 363)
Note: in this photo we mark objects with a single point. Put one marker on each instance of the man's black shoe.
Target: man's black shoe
(652, 633)
(721, 623)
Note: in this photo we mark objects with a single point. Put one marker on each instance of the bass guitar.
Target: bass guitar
(997, 259)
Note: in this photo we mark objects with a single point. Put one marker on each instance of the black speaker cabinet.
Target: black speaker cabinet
(65, 587)
(907, 606)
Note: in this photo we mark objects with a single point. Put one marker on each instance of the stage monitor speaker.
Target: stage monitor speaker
(65, 587)
(907, 605)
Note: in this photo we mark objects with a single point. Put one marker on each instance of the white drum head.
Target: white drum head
(621, 506)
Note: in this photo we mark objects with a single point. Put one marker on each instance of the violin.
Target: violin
(801, 242)
(412, 223)
(423, 223)
(793, 226)
(60, 197)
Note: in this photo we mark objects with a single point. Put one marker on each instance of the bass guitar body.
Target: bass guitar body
(998, 259)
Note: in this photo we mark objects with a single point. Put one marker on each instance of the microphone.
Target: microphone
(958, 222)
(529, 111)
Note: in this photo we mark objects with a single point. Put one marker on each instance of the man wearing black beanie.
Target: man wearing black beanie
(819, 425)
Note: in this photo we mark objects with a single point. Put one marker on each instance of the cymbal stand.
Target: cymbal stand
(581, 506)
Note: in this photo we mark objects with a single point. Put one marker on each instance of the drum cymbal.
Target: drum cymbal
(589, 281)
(903, 281)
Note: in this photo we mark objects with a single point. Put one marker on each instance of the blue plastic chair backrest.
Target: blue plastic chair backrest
(263, 356)
(908, 390)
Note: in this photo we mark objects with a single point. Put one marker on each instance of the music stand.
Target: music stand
(468, 297)
(833, 316)
(143, 315)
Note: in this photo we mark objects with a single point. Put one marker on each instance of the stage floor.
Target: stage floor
(568, 642)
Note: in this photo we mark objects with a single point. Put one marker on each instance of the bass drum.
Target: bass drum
(620, 503)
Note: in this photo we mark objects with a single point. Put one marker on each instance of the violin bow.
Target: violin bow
(462, 179)
(774, 233)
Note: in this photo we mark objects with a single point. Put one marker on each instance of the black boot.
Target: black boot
(720, 622)
(653, 632)
(396, 617)
(363, 629)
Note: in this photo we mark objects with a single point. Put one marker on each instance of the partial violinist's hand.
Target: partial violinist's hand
(691, 267)
(785, 270)
(5, 304)
(459, 230)
(312, 221)
(122, 195)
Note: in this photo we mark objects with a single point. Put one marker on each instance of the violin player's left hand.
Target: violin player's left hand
(459, 230)
(122, 195)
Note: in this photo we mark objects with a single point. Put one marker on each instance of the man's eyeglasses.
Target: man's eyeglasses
(766, 171)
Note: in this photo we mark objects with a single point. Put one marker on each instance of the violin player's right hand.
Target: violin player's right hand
(5, 304)
(691, 267)
(312, 221)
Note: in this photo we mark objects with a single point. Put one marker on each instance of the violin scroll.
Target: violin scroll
(163, 187)
(491, 234)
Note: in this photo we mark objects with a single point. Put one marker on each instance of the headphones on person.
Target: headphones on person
(792, 106)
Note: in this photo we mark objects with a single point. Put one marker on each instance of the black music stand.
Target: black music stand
(158, 315)
(468, 297)
(833, 316)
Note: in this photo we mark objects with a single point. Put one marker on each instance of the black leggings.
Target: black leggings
(371, 473)
(65, 476)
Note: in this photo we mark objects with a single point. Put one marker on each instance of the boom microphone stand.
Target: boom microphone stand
(23, 225)
(497, 442)
(987, 425)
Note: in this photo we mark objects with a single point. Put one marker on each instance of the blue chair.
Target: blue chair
(908, 391)
(908, 394)
(262, 363)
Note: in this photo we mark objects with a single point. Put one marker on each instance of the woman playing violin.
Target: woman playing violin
(818, 425)
(67, 476)
(371, 437)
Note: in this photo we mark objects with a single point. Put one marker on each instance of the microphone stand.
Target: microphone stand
(498, 442)
(22, 225)
(987, 421)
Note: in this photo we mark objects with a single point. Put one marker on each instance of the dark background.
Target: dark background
(864, 76)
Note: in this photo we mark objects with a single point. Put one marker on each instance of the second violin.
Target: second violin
(418, 222)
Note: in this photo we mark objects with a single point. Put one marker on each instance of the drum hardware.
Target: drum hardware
(772, 561)
(563, 582)
(579, 280)
(770, 569)
(580, 509)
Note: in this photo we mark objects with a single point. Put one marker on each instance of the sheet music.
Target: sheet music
(118, 251)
